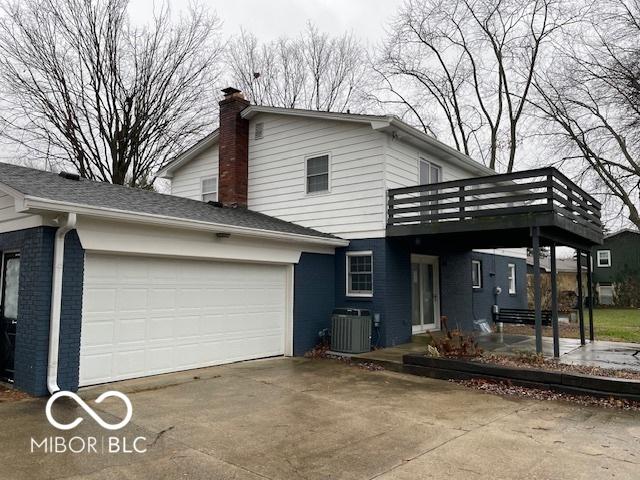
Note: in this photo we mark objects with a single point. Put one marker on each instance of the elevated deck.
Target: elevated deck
(498, 210)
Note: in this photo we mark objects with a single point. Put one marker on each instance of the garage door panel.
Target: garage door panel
(145, 315)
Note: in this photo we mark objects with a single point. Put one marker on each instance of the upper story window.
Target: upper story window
(360, 274)
(209, 189)
(512, 278)
(259, 131)
(429, 172)
(317, 174)
(604, 258)
(476, 273)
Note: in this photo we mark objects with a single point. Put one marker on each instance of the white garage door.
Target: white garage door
(147, 315)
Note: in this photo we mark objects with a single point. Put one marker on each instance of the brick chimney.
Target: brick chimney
(233, 145)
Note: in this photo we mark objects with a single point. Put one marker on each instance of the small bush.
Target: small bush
(454, 343)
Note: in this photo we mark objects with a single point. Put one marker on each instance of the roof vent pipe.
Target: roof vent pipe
(56, 302)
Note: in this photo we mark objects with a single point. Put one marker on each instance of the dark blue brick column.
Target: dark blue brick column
(71, 315)
(455, 289)
(313, 299)
(34, 307)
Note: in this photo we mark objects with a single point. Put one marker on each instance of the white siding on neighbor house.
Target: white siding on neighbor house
(354, 207)
(10, 220)
(187, 180)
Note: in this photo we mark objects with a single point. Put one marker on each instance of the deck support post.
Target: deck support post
(554, 303)
(590, 294)
(580, 297)
(535, 243)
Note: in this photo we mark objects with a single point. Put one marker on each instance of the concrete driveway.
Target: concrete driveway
(320, 419)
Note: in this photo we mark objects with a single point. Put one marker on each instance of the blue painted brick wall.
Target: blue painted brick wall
(36, 263)
(313, 299)
(495, 273)
(455, 289)
(34, 307)
(391, 288)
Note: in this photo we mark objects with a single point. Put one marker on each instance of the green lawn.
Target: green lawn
(616, 325)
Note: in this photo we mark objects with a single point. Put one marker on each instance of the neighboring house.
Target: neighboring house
(616, 269)
(566, 277)
(103, 282)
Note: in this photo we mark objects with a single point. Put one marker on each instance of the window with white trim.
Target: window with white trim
(360, 274)
(476, 273)
(209, 189)
(317, 174)
(429, 172)
(604, 258)
(605, 294)
(512, 278)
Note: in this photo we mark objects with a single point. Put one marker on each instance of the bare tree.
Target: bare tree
(83, 87)
(314, 71)
(473, 60)
(590, 104)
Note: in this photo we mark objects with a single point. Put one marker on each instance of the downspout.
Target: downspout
(56, 302)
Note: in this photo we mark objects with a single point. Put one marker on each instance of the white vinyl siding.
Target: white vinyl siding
(355, 206)
(11, 220)
(402, 165)
(187, 180)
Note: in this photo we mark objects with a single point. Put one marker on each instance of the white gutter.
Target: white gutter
(36, 203)
(56, 302)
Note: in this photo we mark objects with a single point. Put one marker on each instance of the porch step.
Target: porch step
(389, 358)
(425, 338)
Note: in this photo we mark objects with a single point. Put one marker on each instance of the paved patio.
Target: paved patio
(602, 354)
(285, 418)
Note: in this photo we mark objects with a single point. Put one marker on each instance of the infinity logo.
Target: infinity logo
(89, 410)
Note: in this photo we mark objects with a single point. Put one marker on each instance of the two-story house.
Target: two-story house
(275, 219)
(331, 172)
(616, 269)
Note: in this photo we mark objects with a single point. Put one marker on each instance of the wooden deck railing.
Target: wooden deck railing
(543, 190)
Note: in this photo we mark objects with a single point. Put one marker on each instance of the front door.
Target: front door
(9, 313)
(425, 292)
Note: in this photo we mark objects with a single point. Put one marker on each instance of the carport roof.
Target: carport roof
(38, 185)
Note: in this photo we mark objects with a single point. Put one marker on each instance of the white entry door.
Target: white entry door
(425, 293)
(149, 315)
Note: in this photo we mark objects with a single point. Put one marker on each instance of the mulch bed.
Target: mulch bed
(506, 389)
(11, 395)
(539, 362)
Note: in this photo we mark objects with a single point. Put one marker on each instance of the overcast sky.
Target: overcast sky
(269, 19)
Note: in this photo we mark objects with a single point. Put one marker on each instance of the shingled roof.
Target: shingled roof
(53, 187)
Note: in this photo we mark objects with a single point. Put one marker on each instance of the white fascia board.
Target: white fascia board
(42, 204)
(422, 137)
(253, 110)
(188, 155)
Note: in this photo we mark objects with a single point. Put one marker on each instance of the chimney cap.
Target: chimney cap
(230, 91)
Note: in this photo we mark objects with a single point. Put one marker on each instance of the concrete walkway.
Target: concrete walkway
(602, 354)
(321, 419)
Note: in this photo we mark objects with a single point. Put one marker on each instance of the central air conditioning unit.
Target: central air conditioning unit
(351, 330)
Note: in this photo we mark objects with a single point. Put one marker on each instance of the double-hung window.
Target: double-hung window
(317, 174)
(512, 278)
(604, 258)
(209, 188)
(360, 274)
